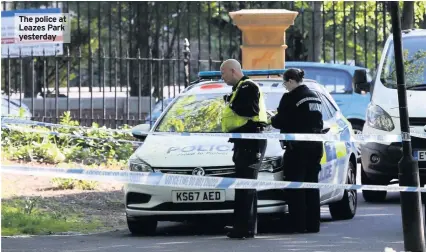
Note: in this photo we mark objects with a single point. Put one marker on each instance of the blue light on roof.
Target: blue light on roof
(210, 74)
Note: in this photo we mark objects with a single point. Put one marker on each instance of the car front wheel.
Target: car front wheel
(345, 209)
(372, 196)
(142, 226)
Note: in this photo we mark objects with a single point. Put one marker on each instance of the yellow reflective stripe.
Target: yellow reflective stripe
(323, 159)
(231, 121)
(334, 129)
(324, 155)
(340, 149)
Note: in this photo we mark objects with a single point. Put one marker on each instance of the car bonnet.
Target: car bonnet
(190, 151)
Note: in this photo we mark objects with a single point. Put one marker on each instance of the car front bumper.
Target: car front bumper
(380, 161)
(156, 201)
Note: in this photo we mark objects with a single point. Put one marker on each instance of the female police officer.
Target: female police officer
(299, 111)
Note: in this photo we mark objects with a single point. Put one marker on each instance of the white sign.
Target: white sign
(34, 32)
(421, 155)
(198, 196)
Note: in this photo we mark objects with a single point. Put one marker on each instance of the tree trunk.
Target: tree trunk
(423, 24)
(142, 35)
(28, 79)
(316, 37)
(407, 19)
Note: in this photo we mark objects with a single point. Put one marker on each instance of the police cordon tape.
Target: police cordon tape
(360, 138)
(188, 181)
(21, 129)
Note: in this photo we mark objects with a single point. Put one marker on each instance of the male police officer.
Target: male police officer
(245, 112)
(299, 111)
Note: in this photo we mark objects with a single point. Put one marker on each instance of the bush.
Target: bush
(52, 149)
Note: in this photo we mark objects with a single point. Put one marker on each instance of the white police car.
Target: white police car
(198, 109)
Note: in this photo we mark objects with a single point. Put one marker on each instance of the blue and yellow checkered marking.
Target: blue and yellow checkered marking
(336, 150)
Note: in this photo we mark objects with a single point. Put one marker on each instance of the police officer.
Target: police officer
(299, 111)
(244, 112)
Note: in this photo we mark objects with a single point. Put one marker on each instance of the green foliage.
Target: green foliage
(25, 217)
(101, 27)
(44, 148)
(66, 184)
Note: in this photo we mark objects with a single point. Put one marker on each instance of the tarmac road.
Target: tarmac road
(374, 227)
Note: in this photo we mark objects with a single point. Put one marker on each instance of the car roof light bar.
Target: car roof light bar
(218, 74)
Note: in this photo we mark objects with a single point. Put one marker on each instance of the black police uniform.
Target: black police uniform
(299, 111)
(248, 155)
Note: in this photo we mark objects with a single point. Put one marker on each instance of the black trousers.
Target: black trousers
(248, 156)
(302, 164)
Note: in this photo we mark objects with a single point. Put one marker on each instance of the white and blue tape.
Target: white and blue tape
(290, 137)
(293, 137)
(188, 181)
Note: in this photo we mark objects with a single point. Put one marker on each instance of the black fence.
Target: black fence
(124, 57)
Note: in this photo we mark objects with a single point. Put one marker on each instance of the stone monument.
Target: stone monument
(263, 32)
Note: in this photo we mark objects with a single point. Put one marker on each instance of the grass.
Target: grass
(20, 217)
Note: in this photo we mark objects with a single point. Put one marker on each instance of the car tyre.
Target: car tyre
(142, 226)
(345, 209)
(371, 196)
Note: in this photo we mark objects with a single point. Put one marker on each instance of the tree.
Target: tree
(128, 34)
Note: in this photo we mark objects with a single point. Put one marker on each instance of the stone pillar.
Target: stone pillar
(263, 32)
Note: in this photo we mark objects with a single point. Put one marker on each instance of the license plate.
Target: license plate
(198, 196)
(421, 155)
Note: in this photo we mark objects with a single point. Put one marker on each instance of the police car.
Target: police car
(198, 109)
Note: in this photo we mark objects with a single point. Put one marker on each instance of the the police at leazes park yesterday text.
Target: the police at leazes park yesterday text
(299, 111)
(245, 112)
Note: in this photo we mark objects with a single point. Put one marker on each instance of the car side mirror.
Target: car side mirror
(360, 82)
(141, 131)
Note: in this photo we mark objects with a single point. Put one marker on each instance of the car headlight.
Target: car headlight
(138, 165)
(270, 164)
(378, 118)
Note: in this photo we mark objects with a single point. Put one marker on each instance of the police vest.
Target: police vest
(232, 121)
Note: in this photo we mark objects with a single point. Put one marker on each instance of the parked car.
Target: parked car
(158, 109)
(197, 109)
(11, 107)
(337, 79)
(379, 161)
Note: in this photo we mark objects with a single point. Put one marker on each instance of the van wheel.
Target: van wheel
(371, 196)
(142, 226)
(345, 209)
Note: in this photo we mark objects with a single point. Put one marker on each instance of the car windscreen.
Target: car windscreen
(202, 113)
(414, 53)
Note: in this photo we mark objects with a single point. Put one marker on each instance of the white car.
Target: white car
(379, 160)
(197, 109)
(11, 107)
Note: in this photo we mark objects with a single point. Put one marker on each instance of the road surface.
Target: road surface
(375, 227)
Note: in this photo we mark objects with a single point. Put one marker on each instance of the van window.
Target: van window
(334, 80)
(414, 53)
